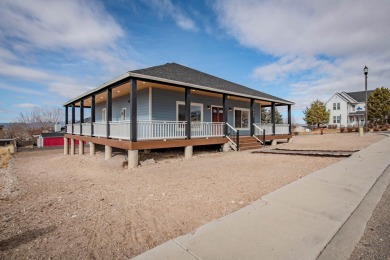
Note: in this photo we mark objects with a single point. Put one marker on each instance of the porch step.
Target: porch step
(249, 143)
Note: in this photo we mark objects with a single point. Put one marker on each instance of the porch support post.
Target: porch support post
(188, 151)
(107, 152)
(66, 146)
(289, 119)
(92, 112)
(187, 98)
(225, 113)
(66, 115)
(81, 147)
(133, 110)
(73, 117)
(273, 118)
(81, 115)
(72, 149)
(91, 148)
(252, 117)
(132, 158)
(108, 110)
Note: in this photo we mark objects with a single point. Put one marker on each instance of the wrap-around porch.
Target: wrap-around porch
(163, 130)
(173, 106)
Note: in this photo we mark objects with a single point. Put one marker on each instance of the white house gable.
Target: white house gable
(338, 108)
(344, 110)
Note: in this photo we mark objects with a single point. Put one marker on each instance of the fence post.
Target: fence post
(238, 140)
(264, 137)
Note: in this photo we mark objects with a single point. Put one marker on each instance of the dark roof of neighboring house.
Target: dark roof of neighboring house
(360, 96)
(184, 76)
(56, 134)
(177, 72)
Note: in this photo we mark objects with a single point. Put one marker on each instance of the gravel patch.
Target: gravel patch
(76, 207)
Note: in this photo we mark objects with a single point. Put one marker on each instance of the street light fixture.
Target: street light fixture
(366, 118)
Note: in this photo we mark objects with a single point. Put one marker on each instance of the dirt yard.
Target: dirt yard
(77, 207)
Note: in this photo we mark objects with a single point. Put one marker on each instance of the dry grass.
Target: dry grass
(5, 156)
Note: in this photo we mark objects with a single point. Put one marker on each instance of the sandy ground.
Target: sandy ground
(74, 207)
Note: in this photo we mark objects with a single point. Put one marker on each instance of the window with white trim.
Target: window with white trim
(196, 112)
(336, 119)
(336, 106)
(104, 115)
(241, 118)
(123, 114)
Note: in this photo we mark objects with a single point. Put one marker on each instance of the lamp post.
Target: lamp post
(366, 118)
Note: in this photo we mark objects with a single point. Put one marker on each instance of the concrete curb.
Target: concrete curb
(296, 221)
(343, 243)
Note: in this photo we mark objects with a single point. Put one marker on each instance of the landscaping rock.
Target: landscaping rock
(148, 162)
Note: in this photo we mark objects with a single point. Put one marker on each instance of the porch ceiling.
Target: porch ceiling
(124, 89)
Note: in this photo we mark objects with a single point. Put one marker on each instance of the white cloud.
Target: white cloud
(79, 31)
(26, 105)
(281, 27)
(320, 47)
(64, 86)
(21, 90)
(288, 65)
(59, 24)
(167, 8)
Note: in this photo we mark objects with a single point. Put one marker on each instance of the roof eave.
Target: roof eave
(113, 81)
(142, 76)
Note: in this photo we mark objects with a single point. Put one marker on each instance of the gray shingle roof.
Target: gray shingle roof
(177, 72)
(360, 96)
(186, 76)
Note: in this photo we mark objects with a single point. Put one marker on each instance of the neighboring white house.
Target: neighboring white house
(347, 109)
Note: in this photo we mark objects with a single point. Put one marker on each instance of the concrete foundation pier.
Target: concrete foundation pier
(72, 148)
(274, 143)
(132, 158)
(225, 147)
(81, 147)
(107, 152)
(188, 151)
(289, 140)
(91, 148)
(66, 146)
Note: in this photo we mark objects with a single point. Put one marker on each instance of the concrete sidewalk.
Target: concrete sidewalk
(296, 221)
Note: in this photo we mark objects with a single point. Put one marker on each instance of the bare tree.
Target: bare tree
(41, 118)
(34, 122)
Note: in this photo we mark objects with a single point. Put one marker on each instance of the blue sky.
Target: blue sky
(51, 51)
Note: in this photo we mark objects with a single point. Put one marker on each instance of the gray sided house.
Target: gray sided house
(172, 106)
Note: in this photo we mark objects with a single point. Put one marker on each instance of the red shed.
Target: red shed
(52, 139)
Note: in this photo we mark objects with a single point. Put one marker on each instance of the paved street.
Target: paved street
(375, 243)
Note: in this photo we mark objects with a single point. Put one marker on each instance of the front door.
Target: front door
(217, 114)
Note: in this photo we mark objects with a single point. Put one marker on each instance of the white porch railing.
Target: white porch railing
(231, 134)
(259, 132)
(76, 128)
(282, 129)
(100, 129)
(161, 129)
(120, 129)
(279, 128)
(266, 127)
(86, 129)
(207, 129)
(69, 128)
